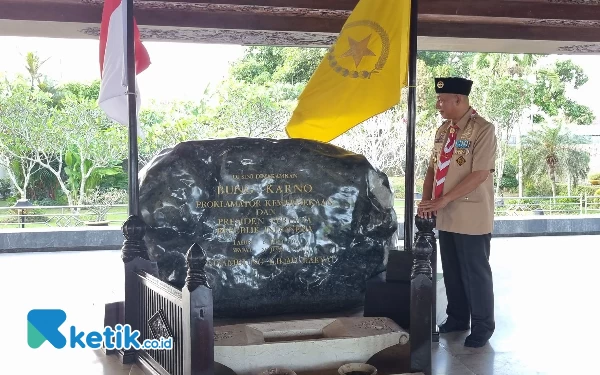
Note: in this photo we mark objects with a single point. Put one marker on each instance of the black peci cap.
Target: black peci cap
(453, 85)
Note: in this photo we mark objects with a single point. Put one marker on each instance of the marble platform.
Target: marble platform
(546, 311)
(304, 345)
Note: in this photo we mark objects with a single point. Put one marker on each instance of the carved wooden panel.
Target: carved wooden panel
(243, 37)
(158, 326)
(582, 2)
(581, 48)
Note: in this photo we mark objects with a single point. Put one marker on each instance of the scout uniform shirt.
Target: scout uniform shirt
(474, 150)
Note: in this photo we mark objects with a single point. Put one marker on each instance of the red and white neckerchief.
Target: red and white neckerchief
(445, 159)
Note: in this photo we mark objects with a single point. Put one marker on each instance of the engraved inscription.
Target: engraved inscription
(263, 200)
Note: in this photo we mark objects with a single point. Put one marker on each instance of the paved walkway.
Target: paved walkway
(546, 296)
(546, 299)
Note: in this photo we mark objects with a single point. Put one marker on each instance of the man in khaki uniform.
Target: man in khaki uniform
(459, 192)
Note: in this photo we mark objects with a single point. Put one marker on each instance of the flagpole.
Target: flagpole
(409, 175)
(131, 96)
(423, 328)
(134, 252)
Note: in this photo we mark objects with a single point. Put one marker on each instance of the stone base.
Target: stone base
(399, 266)
(304, 345)
(388, 298)
(114, 313)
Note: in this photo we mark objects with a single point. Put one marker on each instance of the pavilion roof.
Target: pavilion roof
(539, 26)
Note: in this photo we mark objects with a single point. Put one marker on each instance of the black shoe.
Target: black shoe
(478, 337)
(452, 326)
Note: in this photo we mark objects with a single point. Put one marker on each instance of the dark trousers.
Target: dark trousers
(468, 279)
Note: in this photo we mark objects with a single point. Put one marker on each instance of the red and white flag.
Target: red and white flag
(113, 68)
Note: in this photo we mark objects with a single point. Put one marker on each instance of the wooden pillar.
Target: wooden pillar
(421, 296)
(435, 332)
(198, 330)
(135, 258)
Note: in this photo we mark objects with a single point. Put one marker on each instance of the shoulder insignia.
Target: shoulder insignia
(440, 134)
(480, 120)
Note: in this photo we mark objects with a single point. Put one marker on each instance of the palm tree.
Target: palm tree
(554, 152)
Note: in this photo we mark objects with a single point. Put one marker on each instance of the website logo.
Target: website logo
(43, 325)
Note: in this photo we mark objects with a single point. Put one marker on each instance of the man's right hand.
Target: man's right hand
(421, 212)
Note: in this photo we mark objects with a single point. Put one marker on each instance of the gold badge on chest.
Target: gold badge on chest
(461, 160)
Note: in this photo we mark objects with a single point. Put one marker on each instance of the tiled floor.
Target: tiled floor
(546, 295)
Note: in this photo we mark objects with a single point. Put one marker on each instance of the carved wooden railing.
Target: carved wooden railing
(158, 310)
(160, 315)
(422, 317)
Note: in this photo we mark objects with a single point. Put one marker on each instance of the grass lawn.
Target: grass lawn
(57, 217)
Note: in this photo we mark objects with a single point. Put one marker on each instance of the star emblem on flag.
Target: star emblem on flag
(358, 50)
(362, 49)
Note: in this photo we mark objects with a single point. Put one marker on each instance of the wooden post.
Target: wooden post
(411, 125)
(435, 331)
(421, 294)
(135, 258)
(198, 330)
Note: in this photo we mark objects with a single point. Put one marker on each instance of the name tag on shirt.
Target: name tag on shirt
(463, 143)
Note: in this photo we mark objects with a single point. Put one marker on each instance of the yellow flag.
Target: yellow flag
(362, 74)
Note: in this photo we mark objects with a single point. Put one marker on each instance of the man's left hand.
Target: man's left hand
(433, 205)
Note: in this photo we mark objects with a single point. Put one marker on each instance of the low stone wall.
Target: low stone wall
(541, 226)
(60, 239)
(548, 226)
(111, 238)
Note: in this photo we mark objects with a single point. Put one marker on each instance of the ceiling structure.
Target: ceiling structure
(517, 26)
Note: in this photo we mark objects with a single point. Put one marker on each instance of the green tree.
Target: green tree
(550, 93)
(21, 112)
(501, 96)
(167, 125)
(267, 64)
(33, 66)
(446, 64)
(88, 91)
(552, 152)
(428, 119)
(78, 141)
(253, 110)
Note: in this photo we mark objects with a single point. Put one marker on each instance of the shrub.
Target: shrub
(595, 176)
(541, 188)
(5, 188)
(11, 200)
(30, 216)
(46, 202)
(397, 185)
(509, 181)
(585, 190)
(102, 200)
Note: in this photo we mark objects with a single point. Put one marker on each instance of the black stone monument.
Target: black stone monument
(289, 226)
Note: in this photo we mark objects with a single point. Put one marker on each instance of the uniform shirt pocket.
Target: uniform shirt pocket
(476, 196)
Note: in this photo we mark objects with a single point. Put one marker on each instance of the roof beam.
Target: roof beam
(315, 22)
